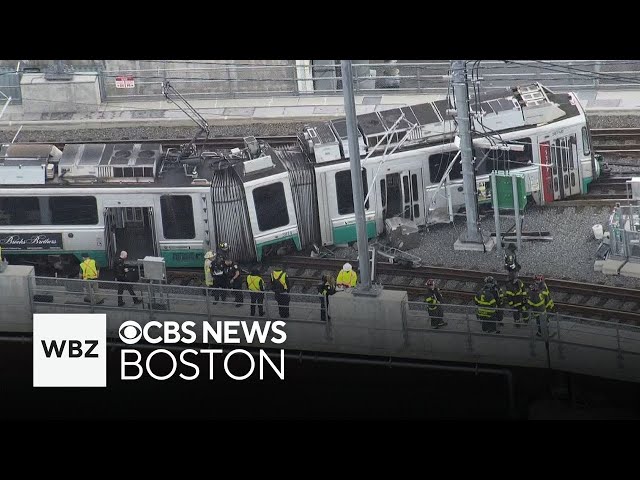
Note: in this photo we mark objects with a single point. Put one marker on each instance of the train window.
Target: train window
(438, 164)
(19, 211)
(414, 186)
(383, 192)
(344, 191)
(271, 206)
(177, 217)
(488, 160)
(416, 211)
(586, 146)
(405, 188)
(73, 211)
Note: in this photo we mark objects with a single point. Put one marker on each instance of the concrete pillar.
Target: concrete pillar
(304, 76)
(16, 284)
(39, 95)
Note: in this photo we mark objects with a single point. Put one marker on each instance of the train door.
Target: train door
(132, 229)
(110, 235)
(574, 166)
(549, 182)
(402, 195)
(566, 180)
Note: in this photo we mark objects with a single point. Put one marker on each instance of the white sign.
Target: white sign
(69, 350)
(125, 82)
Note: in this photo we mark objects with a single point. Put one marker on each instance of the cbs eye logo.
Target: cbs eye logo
(130, 332)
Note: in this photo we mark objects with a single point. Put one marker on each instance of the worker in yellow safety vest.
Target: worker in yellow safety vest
(255, 283)
(347, 278)
(281, 286)
(537, 304)
(486, 303)
(89, 271)
(544, 290)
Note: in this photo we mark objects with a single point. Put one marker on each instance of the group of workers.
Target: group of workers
(223, 274)
(525, 303)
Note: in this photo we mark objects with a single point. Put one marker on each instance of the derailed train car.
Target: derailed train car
(105, 198)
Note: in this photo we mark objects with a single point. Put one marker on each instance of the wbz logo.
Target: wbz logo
(69, 350)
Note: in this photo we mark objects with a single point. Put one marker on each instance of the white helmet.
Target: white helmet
(347, 267)
(209, 254)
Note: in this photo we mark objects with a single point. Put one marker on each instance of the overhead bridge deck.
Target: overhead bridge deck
(388, 326)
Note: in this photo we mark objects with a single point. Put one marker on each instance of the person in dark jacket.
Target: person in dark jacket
(511, 264)
(486, 303)
(234, 280)
(281, 287)
(325, 289)
(121, 277)
(433, 298)
(220, 283)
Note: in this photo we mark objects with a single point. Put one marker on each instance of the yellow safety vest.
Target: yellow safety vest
(282, 277)
(347, 278)
(254, 282)
(89, 269)
(208, 278)
(432, 301)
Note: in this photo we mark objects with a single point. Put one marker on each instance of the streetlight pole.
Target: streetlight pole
(356, 176)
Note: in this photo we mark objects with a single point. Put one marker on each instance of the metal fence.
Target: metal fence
(375, 77)
(10, 86)
(561, 331)
(624, 232)
(234, 79)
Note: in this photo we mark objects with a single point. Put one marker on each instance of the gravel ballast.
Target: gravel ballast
(570, 255)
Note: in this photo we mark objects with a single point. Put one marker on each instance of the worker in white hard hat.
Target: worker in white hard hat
(208, 275)
(347, 278)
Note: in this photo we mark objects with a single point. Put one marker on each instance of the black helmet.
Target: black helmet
(223, 246)
(490, 280)
(511, 247)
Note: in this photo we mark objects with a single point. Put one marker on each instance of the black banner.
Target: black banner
(31, 241)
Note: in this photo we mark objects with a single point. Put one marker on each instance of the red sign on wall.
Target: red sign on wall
(125, 81)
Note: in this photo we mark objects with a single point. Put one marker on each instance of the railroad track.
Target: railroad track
(616, 140)
(571, 297)
(217, 142)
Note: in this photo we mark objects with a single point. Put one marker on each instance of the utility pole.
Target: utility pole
(356, 176)
(461, 94)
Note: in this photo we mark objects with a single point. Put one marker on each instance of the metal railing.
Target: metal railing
(233, 80)
(69, 294)
(624, 232)
(561, 331)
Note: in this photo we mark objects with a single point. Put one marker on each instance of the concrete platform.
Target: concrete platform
(487, 246)
(630, 269)
(612, 267)
(597, 265)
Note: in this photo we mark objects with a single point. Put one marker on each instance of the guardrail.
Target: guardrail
(558, 332)
(234, 80)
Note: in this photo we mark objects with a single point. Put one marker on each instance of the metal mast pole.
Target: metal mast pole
(356, 175)
(461, 94)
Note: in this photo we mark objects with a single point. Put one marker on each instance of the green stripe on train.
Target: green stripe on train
(585, 184)
(99, 256)
(260, 246)
(347, 233)
(183, 258)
